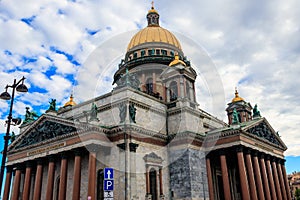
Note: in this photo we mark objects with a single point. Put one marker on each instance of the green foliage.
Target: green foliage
(297, 194)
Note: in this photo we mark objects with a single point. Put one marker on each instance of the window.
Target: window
(187, 88)
(164, 52)
(153, 186)
(172, 53)
(150, 52)
(153, 175)
(157, 52)
(135, 55)
(149, 86)
(173, 91)
(143, 53)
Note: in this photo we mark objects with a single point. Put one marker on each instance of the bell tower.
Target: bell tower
(243, 109)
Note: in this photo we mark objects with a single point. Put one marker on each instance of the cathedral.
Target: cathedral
(147, 139)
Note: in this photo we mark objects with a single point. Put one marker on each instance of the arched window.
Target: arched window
(149, 86)
(173, 91)
(187, 88)
(153, 185)
(100, 179)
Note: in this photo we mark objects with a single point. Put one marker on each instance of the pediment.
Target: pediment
(263, 130)
(44, 129)
(178, 70)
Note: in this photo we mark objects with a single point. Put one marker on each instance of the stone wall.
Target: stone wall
(188, 174)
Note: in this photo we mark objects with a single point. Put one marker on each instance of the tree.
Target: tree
(297, 194)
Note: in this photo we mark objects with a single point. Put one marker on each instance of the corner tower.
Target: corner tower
(243, 109)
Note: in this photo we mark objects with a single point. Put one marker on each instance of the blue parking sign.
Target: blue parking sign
(108, 185)
(108, 173)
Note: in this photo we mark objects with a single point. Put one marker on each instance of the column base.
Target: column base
(148, 197)
(162, 197)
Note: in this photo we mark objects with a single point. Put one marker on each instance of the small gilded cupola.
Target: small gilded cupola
(153, 16)
(240, 107)
(71, 102)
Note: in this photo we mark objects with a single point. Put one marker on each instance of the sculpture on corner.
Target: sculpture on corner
(30, 116)
(93, 113)
(132, 112)
(256, 112)
(123, 112)
(52, 106)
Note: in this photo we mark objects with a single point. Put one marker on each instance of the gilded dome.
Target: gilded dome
(153, 34)
(70, 102)
(237, 97)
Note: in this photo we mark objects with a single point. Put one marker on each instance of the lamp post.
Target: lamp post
(20, 87)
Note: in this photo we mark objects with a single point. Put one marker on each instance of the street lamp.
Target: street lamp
(20, 87)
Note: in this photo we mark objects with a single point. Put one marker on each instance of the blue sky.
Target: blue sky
(253, 45)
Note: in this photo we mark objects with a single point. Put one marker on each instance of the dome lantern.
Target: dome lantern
(153, 16)
(237, 97)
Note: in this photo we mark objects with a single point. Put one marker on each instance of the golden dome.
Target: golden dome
(152, 10)
(153, 34)
(237, 97)
(70, 102)
(176, 61)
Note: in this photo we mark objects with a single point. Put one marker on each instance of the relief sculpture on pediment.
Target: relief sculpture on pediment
(263, 131)
(43, 132)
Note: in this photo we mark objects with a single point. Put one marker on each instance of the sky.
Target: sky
(65, 47)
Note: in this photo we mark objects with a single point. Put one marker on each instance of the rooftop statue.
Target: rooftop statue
(52, 105)
(128, 79)
(93, 113)
(256, 112)
(30, 116)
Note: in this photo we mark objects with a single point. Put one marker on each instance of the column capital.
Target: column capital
(9, 168)
(77, 152)
(255, 153)
(29, 164)
(51, 158)
(282, 161)
(39, 161)
(64, 155)
(248, 151)
(262, 155)
(278, 160)
(239, 148)
(222, 152)
(133, 147)
(122, 146)
(273, 159)
(208, 154)
(268, 157)
(19, 167)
